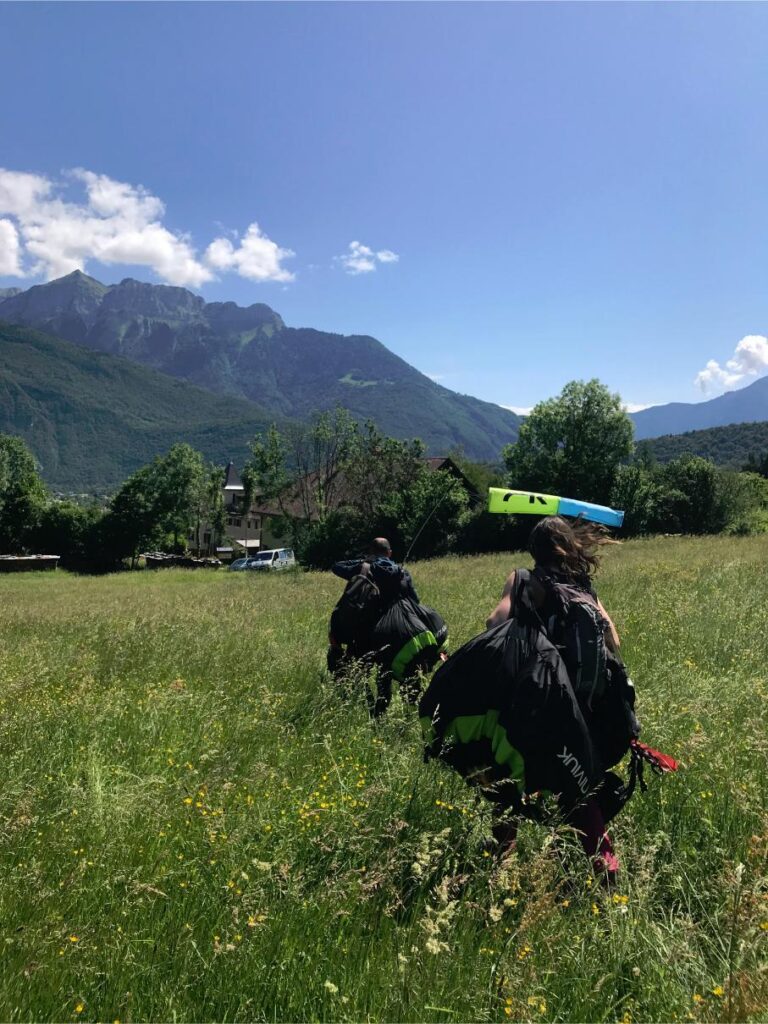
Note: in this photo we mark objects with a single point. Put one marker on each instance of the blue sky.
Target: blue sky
(571, 190)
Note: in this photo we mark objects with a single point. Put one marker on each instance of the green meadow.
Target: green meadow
(197, 825)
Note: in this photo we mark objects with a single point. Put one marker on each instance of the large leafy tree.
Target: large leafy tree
(299, 472)
(22, 495)
(158, 502)
(572, 444)
(178, 481)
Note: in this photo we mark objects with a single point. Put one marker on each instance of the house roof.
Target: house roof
(293, 505)
(232, 481)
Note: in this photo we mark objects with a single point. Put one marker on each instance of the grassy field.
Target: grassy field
(196, 825)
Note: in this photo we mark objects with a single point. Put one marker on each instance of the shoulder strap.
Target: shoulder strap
(522, 598)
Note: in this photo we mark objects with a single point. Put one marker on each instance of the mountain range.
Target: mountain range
(91, 418)
(249, 353)
(747, 405)
(122, 371)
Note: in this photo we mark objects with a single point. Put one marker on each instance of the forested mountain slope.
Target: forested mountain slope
(250, 353)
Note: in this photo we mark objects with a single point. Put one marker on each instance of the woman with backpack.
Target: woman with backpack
(540, 701)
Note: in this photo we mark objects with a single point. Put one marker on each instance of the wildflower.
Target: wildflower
(698, 998)
(764, 926)
(595, 910)
(80, 1007)
(73, 938)
(330, 987)
(187, 800)
(718, 991)
(620, 900)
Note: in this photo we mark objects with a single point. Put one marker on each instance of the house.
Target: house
(263, 525)
(243, 531)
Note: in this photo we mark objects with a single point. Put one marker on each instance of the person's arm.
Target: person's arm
(347, 569)
(612, 635)
(503, 609)
(408, 587)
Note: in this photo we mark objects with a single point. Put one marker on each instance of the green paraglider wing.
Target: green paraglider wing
(531, 503)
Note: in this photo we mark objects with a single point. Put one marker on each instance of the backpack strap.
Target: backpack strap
(523, 604)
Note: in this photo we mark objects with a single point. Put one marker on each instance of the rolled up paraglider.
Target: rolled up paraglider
(512, 502)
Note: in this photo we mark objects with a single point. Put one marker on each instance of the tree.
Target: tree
(215, 511)
(22, 495)
(132, 523)
(178, 481)
(337, 483)
(158, 502)
(72, 532)
(249, 479)
(573, 444)
(299, 471)
(757, 464)
(379, 470)
(704, 504)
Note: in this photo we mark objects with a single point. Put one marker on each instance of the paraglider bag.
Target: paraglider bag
(503, 707)
(357, 611)
(409, 637)
(611, 717)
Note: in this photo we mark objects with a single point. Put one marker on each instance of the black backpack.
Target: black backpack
(574, 623)
(358, 609)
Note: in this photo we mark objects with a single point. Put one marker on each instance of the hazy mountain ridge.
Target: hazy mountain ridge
(747, 405)
(91, 418)
(250, 353)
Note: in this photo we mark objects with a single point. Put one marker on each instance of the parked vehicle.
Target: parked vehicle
(238, 565)
(277, 558)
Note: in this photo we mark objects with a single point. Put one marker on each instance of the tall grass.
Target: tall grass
(195, 824)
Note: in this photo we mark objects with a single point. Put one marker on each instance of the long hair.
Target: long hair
(570, 548)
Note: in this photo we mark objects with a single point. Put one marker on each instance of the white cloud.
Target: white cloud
(9, 250)
(256, 257)
(361, 259)
(750, 358)
(636, 406)
(115, 223)
(521, 410)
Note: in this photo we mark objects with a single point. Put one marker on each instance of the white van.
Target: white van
(277, 558)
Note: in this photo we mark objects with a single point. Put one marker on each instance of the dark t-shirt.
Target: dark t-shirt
(391, 579)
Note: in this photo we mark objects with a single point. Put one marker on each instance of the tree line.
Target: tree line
(327, 483)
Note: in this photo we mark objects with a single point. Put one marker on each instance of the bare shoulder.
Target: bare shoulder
(509, 583)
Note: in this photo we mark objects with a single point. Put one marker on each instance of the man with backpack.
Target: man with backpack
(379, 557)
(380, 622)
